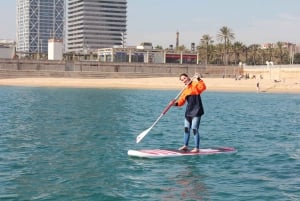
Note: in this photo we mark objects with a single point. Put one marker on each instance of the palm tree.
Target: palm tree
(225, 34)
(263, 55)
(296, 58)
(254, 53)
(281, 52)
(238, 48)
(270, 52)
(217, 54)
(158, 47)
(206, 41)
(181, 48)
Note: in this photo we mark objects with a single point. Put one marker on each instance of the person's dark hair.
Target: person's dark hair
(183, 74)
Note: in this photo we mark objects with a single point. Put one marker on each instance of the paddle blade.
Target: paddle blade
(142, 135)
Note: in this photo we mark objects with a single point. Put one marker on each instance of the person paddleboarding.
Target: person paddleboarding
(194, 109)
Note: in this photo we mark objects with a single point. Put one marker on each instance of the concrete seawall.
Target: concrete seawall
(33, 68)
(276, 72)
(10, 68)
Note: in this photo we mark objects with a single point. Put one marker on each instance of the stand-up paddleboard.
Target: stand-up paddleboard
(163, 153)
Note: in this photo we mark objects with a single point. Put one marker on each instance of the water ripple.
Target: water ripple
(71, 144)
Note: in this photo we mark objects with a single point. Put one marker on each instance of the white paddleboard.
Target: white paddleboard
(163, 153)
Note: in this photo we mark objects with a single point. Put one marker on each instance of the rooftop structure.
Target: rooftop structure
(7, 49)
(55, 49)
(148, 55)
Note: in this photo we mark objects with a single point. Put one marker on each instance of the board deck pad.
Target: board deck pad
(162, 153)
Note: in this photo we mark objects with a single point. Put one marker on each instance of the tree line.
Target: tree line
(230, 52)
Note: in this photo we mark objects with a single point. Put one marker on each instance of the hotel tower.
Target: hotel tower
(37, 22)
(93, 24)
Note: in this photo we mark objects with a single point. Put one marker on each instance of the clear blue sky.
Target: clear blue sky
(157, 21)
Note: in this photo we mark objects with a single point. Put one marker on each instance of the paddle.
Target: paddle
(145, 132)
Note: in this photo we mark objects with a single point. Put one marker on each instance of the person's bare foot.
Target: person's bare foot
(195, 150)
(183, 148)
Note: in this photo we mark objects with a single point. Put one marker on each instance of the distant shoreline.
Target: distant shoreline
(163, 83)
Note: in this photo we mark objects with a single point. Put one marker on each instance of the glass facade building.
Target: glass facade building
(37, 22)
(93, 24)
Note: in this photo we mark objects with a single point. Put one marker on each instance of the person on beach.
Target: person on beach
(257, 87)
(194, 109)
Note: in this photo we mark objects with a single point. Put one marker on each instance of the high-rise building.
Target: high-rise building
(37, 22)
(93, 24)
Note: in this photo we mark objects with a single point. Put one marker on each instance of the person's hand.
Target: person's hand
(197, 76)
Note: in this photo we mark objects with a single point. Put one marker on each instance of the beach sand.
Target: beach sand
(163, 83)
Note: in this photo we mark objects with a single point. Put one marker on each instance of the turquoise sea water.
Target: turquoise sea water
(71, 144)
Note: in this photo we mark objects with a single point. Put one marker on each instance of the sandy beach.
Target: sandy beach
(163, 83)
